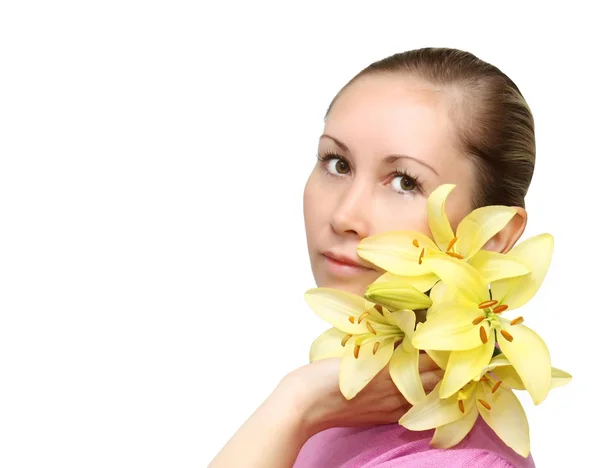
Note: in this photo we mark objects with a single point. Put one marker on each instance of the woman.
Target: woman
(399, 129)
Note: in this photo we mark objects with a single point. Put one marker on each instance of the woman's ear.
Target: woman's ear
(505, 240)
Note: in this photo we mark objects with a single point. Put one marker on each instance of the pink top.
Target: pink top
(392, 445)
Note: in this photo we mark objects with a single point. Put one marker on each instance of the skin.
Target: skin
(348, 198)
(377, 117)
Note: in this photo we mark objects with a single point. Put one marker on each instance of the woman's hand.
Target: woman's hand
(315, 389)
(308, 401)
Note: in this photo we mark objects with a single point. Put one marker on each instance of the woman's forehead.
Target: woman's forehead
(387, 114)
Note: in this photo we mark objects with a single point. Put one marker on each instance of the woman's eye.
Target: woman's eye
(403, 183)
(337, 165)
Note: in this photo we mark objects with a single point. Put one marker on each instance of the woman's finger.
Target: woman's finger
(431, 378)
(426, 363)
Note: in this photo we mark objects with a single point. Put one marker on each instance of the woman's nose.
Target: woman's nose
(353, 211)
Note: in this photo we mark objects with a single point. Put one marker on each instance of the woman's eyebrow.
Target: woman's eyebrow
(392, 158)
(337, 142)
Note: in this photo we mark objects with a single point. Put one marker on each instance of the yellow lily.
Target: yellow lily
(440, 294)
(367, 337)
(422, 283)
(401, 252)
(470, 324)
(490, 396)
(394, 291)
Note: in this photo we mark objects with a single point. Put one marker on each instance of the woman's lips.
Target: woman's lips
(345, 269)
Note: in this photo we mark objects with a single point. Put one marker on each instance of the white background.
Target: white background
(152, 247)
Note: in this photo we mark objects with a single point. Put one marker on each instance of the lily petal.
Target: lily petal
(439, 357)
(559, 378)
(459, 275)
(438, 219)
(495, 266)
(395, 252)
(450, 329)
(498, 360)
(464, 366)
(405, 321)
(507, 417)
(439, 295)
(536, 254)
(530, 357)
(511, 379)
(479, 226)
(356, 373)
(382, 319)
(327, 345)
(449, 435)
(397, 295)
(404, 371)
(336, 307)
(422, 283)
(431, 412)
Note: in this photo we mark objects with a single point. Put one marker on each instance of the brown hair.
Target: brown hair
(494, 125)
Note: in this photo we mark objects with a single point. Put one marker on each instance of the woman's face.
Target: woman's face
(386, 145)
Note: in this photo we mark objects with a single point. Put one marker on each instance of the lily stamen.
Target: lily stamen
(379, 309)
(345, 339)
(487, 304)
(478, 320)
(484, 378)
(421, 256)
(517, 321)
(485, 404)
(497, 386)
(371, 329)
(375, 347)
(483, 335)
(506, 335)
(351, 319)
(356, 350)
(461, 406)
(455, 255)
(416, 243)
(500, 309)
(362, 316)
(451, 244)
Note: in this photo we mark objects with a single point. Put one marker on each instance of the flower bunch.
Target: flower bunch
(468, 294)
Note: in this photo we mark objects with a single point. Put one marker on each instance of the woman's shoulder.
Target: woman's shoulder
(454, 458)
(394, 446)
